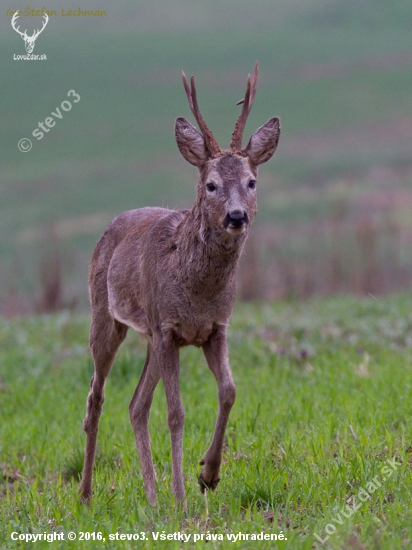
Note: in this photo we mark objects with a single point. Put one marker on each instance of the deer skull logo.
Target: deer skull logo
(29, 41)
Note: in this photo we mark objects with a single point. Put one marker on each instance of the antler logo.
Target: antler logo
(29, 41)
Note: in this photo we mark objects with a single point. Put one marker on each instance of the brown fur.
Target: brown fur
(170, 275)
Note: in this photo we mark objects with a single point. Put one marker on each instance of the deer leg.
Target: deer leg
(167, 355)
(216, 354)
(105, 339)
(139, 410)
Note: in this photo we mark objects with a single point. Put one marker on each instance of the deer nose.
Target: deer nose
(236, 219)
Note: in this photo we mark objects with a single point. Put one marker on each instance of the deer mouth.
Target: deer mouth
(236, 230)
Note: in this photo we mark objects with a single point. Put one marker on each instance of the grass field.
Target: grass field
(323, 402)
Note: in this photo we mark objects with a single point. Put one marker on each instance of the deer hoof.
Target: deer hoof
(207, 484)
(85, 497)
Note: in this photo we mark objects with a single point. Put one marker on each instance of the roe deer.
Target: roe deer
(170, 275)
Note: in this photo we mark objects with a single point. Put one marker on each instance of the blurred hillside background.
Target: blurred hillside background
(335, 203)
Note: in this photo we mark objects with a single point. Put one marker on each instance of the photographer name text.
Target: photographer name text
(31, 12)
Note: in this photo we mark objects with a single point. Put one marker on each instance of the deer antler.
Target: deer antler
(236, 143)
(36, 34)
(211, 143)
(13, 21)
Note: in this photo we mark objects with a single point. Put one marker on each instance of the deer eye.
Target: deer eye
(252, 184)
(211, 187)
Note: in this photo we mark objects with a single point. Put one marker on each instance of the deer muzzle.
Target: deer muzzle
(236, 221)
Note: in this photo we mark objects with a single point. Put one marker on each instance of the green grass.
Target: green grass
(323, 401)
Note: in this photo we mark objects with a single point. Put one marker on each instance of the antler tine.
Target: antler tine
(236, 143)
(210, 140)
(187, 89)
(254, 85)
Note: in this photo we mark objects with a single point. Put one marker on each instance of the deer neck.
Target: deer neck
(208, 255)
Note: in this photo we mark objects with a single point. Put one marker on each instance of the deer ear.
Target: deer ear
(263, 142)
(191, 144)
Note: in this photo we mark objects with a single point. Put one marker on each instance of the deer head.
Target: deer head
(29, 41)
(227, 184)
